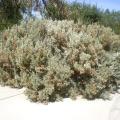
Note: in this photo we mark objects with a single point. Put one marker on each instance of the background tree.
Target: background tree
(11, 12)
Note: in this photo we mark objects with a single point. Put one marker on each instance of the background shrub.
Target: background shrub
(87, 13)
(12, 11)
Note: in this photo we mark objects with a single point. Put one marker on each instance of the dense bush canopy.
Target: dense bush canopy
(59, 59)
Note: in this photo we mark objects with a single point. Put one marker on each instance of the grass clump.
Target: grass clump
(60, 59)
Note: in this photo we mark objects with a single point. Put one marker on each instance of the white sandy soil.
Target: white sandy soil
(15, 106)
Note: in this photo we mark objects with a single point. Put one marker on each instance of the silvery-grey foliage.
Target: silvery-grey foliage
(58, 59)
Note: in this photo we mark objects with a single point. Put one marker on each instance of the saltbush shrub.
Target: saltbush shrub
(60, 59)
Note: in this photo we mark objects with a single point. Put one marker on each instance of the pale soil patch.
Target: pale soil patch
(19, 108)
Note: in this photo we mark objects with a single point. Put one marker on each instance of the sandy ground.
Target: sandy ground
(15, 106)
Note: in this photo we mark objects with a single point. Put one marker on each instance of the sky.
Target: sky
(103, 4)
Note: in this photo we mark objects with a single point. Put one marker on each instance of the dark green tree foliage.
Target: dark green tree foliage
(91, 15)
(85, 12)
(10, 13)
(11, 9)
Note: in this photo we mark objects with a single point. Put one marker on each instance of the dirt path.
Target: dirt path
(15, 106)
